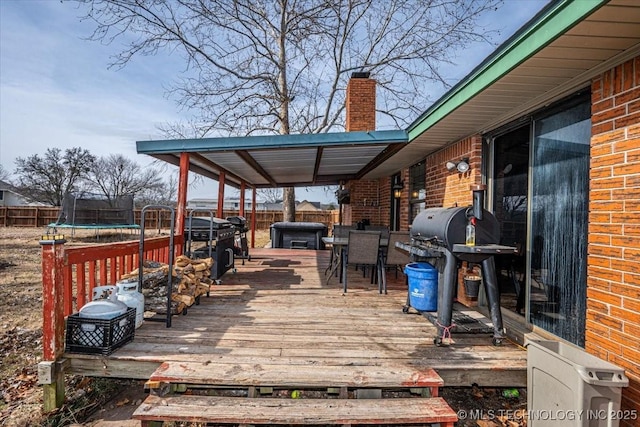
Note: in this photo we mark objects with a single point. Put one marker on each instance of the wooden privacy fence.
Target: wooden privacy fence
(37, 216)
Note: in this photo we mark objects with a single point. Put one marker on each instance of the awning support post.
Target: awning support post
(253, 218)
(243, 187)
(221, 179)
(183, 184)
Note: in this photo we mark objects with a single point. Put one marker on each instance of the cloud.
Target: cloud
(58, 92)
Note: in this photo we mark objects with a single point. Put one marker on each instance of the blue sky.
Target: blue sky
(56, 89)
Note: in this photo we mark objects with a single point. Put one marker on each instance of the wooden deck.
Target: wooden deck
(278, 311)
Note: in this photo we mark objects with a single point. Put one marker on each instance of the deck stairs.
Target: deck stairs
(306, 394)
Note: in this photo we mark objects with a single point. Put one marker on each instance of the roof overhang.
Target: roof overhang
(282, 160)
(555, 54)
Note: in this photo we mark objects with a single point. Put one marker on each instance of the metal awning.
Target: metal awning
(282, 160)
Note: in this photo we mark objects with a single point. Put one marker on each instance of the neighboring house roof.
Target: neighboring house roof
(555, 54)
(18, 198)
(308, 206)
(5, 186)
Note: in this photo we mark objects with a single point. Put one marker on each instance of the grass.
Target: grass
(21, 331)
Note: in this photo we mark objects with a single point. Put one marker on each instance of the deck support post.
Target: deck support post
(52, 378)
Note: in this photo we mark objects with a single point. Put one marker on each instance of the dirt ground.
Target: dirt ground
(98, 402)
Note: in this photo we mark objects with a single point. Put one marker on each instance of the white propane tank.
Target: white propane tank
(107, 292)
(128, 294)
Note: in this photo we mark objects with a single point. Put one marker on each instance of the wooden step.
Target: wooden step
(295, 376)
(268, 411)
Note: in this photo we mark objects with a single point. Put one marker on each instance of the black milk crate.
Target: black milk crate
(99, 336)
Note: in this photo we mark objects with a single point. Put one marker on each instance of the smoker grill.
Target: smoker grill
(219, 236)
(438, 237)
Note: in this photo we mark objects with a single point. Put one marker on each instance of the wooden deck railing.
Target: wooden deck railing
(90, 266)
(70, 274)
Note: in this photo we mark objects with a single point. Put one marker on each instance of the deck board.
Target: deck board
(300, 376)
(295, 411)
(278, 309)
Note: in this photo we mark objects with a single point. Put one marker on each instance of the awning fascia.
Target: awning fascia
(270, 142)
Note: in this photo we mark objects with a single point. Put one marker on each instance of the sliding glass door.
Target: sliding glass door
(539, 182)
(559, 215)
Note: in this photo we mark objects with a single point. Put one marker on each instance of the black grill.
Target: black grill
(438, 237)
(219, 235)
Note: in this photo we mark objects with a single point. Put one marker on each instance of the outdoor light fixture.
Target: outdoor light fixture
(397, 189)
(462, 166)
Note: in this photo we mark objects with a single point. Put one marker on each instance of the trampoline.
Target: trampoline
(95, 212)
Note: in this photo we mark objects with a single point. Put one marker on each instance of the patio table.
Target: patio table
(339, 247)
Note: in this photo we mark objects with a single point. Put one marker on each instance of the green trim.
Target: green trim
(326, 140)
(543, 29)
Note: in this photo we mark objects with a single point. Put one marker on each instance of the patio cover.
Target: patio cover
(282, 160)
(555, 54)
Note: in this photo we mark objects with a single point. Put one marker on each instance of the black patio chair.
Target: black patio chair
(364, 250)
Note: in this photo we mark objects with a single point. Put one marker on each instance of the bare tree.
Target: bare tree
(115, 175)
(281, 66)
(270, 195)
(165, 194)
(48, 178)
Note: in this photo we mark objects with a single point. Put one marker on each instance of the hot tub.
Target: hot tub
(298, 235)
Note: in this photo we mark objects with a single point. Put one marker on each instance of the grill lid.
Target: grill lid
(204, 224)
(446, 227)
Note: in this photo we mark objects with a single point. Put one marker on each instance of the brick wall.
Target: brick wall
(446, 189)
(370, 199)
(613, 284)
(361, 104)
(404, 201)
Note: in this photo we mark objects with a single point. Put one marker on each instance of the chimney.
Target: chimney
(361, 103)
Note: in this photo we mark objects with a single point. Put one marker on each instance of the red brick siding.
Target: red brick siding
(361, 105)
(444, 188)
(613, 285)
(404, 201)
(370, 199)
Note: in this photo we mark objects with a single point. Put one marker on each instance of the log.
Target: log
(161, 308)
(187, 300)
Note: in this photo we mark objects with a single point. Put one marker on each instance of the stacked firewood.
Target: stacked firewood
(154, 288)
(190, 280)
(194, 278)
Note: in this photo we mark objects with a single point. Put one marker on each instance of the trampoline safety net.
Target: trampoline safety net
(96, 210)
